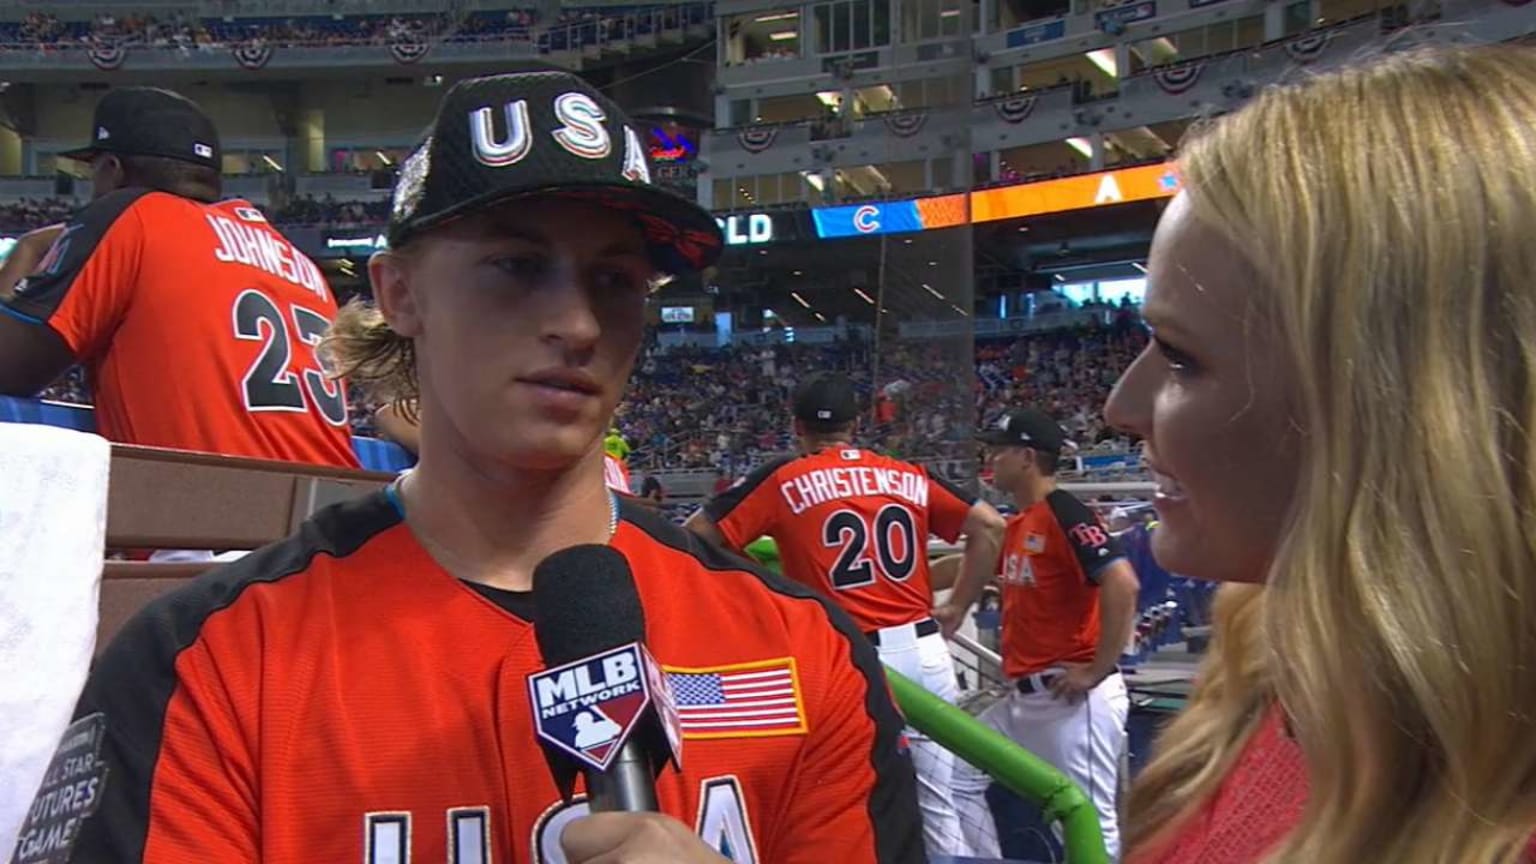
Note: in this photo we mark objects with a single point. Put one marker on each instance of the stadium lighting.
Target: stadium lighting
(867, 299)
(784, 35)
(929, 289)
(1104, 58)
(782, 16)
(1139, 266)
(1081, 145)
(961, 311)
(799, 299)
(820, 317)
(270, 161)
(1060, 278)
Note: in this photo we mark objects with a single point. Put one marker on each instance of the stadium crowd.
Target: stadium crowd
(571, 28)
(727, 409)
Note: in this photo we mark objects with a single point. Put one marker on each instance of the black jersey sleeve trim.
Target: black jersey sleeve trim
(721, 505)
(954, 489)
(134, 679)
(1092, 544)
(893, 812)
(39, 295)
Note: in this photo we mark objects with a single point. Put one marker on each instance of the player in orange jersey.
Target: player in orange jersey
(196, 321)
(358, 692)
(854, 525)
(1069, 601)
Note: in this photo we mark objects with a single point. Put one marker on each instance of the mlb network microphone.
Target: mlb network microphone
(590, 708)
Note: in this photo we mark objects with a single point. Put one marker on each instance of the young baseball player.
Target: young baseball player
(1069, 601)
(358, 692)
(854, 525)
(195, 319)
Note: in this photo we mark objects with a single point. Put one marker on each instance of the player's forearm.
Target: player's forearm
(1117, 614)
(977, 567)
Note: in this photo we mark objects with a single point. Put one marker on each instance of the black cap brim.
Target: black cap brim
(683, 237)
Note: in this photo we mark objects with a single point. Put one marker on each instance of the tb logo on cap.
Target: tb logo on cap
(581, 133)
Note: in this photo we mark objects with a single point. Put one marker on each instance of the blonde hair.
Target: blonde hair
(1389, 208)
(363, 349)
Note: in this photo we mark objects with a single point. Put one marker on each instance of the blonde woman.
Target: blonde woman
(1340, 402)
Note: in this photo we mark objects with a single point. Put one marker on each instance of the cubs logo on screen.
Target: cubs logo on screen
(588, 708)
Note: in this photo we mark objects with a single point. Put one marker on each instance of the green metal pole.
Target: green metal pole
(1020, 771)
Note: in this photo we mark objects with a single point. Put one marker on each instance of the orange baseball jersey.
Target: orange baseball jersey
(850, 523)
(1053, 553)
(616, 474)
(339, 697)
(197, 324)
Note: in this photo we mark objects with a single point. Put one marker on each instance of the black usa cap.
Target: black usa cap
(826, 397)
(149, 121)
(1025, 427)
(539, 133)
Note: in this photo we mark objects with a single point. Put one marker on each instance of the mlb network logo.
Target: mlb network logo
(590, 707)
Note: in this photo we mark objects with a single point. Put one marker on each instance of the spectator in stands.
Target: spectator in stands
(1340, 406)
(144, 285)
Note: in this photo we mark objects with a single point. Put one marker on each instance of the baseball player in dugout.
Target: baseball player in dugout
(195, 319)
(361, 691)
(1069, 601)
(854, 525)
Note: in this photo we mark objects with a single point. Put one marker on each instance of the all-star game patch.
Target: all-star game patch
(71, 792)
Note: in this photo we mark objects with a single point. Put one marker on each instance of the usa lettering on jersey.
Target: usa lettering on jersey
(831, 484)
(582, 133)
(254, 247)
(722, 823)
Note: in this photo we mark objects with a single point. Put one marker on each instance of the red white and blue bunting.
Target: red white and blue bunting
(252, 55)
(1014, 109)
(107, 54)
(1307, 48)
(907, 123)
(756, 139)
(1177, 79)
(410, 48)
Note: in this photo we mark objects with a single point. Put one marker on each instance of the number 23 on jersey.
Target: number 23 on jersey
(269, 384)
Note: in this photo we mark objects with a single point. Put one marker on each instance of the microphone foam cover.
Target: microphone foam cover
(586, 602)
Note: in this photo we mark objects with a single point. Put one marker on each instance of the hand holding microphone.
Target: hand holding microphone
(602, 706)
(634, 838)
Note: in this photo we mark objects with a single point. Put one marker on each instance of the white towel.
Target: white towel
(53, 520)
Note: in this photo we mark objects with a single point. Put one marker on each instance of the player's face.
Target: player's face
(526, 322)
(1010, 466)
(1210, 396)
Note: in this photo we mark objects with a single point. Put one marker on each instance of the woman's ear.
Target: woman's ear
(390, 273)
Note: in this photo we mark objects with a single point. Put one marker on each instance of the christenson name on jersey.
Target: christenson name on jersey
(821, 485)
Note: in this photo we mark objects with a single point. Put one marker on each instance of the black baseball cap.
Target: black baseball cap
(1025, 427)
(543, 132)
(826, 397)
(149, 121)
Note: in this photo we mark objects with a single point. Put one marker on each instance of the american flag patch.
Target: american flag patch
(1034, 544)
(747, 700)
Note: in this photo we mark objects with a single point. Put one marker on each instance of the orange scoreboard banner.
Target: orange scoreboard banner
(1075, 193)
